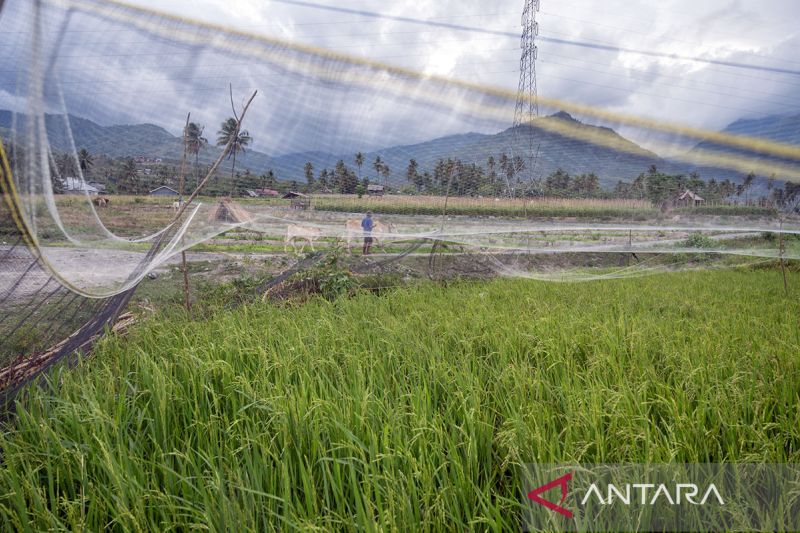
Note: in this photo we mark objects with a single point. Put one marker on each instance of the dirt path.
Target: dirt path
(106, 269)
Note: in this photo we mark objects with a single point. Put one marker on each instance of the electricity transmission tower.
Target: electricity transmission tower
(527, 105)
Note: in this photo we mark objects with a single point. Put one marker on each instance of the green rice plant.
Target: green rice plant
(405, 411)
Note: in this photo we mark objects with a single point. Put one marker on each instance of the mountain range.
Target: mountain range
(777, 128)
(588, 148)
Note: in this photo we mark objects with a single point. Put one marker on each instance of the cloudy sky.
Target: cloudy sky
(760, 33)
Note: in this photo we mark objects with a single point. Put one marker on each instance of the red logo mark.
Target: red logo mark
(560, 482)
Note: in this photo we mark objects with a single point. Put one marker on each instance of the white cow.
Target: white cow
(302, 233)
(353, 230)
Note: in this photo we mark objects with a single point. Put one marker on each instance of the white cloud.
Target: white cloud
(146, 82)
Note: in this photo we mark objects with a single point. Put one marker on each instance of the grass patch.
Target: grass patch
(728, 210)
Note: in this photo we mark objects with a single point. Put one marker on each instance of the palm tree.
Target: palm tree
(194, 143)
(308, 170)
(230, 136)
(746, 184)
(268, 179)
(378, 166)
(412, 175)
(65, 165)
(129, 176)
(503, 162)
(359, 163)
(386, 171)
(85, 160)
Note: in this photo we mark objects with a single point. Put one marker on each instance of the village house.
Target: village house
(77, 186)
(375, 190)
(164, 191)
(263, 193)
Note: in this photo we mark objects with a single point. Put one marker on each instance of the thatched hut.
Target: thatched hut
(689, 199)
(299, 200)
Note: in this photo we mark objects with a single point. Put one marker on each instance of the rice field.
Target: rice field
(135, 216)
(405, 411)
(528, 208)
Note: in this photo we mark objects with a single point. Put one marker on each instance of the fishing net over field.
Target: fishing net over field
(95, 98)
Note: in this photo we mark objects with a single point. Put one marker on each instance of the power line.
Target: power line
(618, 88)
(228, 66)
(737, 87)
(661, 96)
(582, 68)
(568, 42)
(441, 41)
(588, 43)
(727, 72)
(679, 57)
(648, 22)
(432, 22)
(661, 38)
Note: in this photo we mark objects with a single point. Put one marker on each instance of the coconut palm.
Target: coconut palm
(65, 165)
(359, 163)
(129, 176)
(308, 170)
(229, 135)
(194, 143)
(85, 160)
(378, 166)
(386, 172)
(268, 180)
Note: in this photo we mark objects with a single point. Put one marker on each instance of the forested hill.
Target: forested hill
(622, 160)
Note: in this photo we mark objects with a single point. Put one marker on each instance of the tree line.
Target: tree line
(659, 187)
(503, 176)
(125, 176)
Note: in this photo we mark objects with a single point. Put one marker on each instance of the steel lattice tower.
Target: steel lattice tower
(527, 105)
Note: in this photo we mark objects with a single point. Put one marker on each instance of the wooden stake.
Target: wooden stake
(630, 244)
(783, 262)
(184, 267)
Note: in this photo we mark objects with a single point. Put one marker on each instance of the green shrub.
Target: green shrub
(698, 240)
(327, 279)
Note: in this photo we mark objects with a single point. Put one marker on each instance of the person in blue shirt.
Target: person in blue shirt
(367, 224)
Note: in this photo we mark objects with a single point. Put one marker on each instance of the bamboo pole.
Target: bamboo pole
(184, 267)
